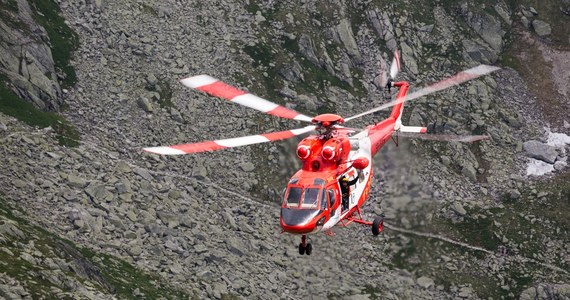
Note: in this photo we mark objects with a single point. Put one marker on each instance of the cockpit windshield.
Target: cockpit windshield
(303, 197)
(294, 196)
(311, 198)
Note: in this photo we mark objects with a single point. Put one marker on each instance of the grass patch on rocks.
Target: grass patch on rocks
(549, 11)
(63, 40)
(49, 266)
(164, 90)
(12, 105)
(149, 10)
(525, 232)
(8, 14)
(523, 54)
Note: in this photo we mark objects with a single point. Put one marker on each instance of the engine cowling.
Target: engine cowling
(307, 147)
(332, 150)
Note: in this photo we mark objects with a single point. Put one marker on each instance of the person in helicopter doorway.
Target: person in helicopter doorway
(345, 190)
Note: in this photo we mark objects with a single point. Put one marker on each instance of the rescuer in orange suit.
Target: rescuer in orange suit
(345, 190)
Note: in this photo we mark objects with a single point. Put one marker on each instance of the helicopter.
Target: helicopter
(336, 175)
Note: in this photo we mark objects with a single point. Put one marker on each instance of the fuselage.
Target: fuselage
(312, 199)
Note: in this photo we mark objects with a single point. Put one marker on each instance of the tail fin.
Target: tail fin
(399, 106)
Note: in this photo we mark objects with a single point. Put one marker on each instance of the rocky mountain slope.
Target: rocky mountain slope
(463, 220)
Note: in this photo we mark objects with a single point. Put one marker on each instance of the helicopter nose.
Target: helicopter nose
(300, 221)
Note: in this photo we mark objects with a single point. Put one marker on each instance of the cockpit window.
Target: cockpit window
(311, 198)
(294, 196)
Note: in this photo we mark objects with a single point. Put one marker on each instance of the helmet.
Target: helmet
(345, 179)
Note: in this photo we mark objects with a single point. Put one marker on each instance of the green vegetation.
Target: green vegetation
(12, 105)
(63, 40)
(149, 10)
(549, 11)
(252, 7)
(476, 229)
(108, 274)
(374, 293)
(519, 226)
(526, 58)
(263, 56)
(163, 88)
(125, 278)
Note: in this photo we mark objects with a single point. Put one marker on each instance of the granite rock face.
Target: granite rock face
(26, 59)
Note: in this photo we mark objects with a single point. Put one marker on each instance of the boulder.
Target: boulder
(541, 151)
(503, 11)
(458, 208)
(478, 53)
(470, 172)
(98, 193)
(408, 58)
(546, 291)
(541, 28)
(425, 282)
(560, 165)
(306, 48)
(145, 104)
(292, 72)
(488, 28)
(76, 181)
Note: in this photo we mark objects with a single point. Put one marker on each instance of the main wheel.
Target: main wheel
(309, 249)
(302, 249)
(377, 225)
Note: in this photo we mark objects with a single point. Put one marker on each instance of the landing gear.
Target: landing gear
(377, 225)
(304, 247)
(309, 249)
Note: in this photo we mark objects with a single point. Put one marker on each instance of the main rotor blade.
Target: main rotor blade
(215, 87)
(442, 137)
(449, 82)
(228, 143)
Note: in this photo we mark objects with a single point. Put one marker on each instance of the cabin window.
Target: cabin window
(294, 196)
(331, 197)
(324, 200)
(293, 180)
(311, 198)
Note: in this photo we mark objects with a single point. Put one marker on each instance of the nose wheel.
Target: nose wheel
(304, 247)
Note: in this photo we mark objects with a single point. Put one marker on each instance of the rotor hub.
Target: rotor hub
(327, 120)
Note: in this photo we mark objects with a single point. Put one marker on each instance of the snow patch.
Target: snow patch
(557, 139)
(538, 167)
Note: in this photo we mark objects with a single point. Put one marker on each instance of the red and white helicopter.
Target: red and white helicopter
(313, 200)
